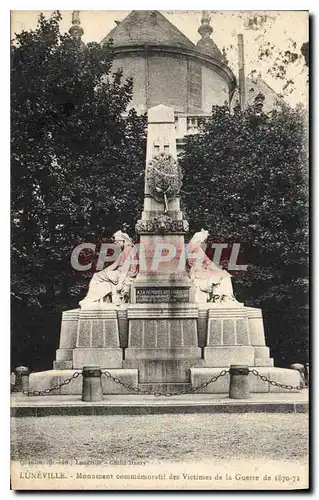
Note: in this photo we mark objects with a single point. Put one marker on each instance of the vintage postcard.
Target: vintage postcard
(159, 200)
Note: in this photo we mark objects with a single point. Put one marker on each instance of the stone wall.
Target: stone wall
(168, 82)
(134, 66)
(214, 90)
(160, 78)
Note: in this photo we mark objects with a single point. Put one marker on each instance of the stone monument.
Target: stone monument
(155, 319)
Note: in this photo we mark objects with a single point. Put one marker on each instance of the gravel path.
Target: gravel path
(160, 438)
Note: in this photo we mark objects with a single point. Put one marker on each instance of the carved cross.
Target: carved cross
(161, 145)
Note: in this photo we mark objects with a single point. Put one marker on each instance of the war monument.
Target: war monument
(163, 318)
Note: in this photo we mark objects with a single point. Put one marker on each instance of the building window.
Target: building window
(194, 85)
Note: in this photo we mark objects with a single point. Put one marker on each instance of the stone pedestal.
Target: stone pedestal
(163, 342)
(235, 335)
(162, 325)
(163, 347)
(89, 337)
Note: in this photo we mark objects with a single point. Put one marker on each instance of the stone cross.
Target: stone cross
(161, 145)
(161, 135)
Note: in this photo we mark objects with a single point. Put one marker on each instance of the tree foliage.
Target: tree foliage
(273, 53)
(77, 169)
(246, 181)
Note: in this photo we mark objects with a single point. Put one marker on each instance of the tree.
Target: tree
(273, 53)
(249, 185)
(72, 153)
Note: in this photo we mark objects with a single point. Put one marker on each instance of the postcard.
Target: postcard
(159, 200)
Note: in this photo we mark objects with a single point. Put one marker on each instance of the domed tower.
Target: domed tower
(76, 31)
(206, 44)
(167, 68)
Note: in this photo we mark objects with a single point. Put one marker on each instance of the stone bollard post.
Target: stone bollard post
(307, 373)
(239, 386)
(22, 378)
(301, 369)
(92, 384)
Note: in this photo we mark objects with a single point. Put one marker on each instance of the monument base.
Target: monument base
(196, 376)
(163, 347)
(163, 371)
(219, 356)
(279, 375)
(39, 381)
(101, 356)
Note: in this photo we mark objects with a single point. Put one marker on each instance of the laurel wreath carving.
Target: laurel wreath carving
(164, 176)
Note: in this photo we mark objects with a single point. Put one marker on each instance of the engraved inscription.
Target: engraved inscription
(215, 332)
(84, 338)
(97, 333)
(162, 294)
(242, 331)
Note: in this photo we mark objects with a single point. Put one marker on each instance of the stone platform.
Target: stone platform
(163, 347)
(219, 335)
(24, 406)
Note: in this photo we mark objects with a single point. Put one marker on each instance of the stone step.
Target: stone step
(134, 404)
(175, 388)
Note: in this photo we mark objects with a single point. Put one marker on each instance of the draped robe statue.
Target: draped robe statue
(113, 283)
(212, 284)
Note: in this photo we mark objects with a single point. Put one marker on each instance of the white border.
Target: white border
(312, 6)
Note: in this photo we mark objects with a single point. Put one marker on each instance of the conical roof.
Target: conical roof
(210, 48)
(206, 44)
(147, 27)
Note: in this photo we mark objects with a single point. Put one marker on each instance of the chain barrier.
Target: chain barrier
(14, 388)
(138, 390)
(275, 384)
(51, 389)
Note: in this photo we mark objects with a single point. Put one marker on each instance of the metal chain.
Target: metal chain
(54, 388)
(13, 388)
(138, 390)
(272, 382)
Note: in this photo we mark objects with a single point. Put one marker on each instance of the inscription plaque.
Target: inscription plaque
(155, 295)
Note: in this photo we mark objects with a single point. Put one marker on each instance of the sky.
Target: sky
(275, 30)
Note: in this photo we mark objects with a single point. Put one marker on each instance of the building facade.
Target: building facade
(167, 68)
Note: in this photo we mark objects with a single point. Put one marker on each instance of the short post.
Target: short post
(92, 384)
(22, 378)
(239, 386)
(307, 374)
(301, 369)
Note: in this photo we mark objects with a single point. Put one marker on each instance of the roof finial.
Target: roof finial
(206, 44)
(76, 17)
(258, 103)
(76, 31)
(205, 29)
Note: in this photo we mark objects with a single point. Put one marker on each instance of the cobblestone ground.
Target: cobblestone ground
(162, 438)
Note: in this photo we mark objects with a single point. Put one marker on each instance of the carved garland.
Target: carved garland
(160, 226)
